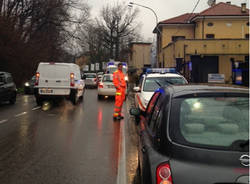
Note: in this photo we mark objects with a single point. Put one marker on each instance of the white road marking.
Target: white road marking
(21, 114)
(36, 108)
(122, 171)
(3, 121)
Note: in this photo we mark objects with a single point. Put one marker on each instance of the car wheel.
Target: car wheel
(99, 97)
(13, 99)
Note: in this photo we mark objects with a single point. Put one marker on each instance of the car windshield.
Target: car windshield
(214, 121)
(107, 78)
(90, 76)
(153, 83)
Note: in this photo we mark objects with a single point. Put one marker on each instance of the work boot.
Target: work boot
(116, 118)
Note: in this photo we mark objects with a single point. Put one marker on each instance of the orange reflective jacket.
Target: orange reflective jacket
(119, 79)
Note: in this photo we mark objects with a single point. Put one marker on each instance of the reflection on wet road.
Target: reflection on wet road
(67, 144)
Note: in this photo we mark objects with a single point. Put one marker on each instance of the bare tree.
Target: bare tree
(32, 31)
(117, 22)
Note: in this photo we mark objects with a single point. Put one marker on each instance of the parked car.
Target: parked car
(106, 86)
(150, 82)
(8, 89)
(195, 134)
(91, 80)
(29, 85)
(55, 80)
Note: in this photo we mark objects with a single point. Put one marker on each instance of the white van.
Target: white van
(58, 80)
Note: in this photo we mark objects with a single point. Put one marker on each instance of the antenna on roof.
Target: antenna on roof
(211, 2)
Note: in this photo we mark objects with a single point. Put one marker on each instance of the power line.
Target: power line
(193, 10)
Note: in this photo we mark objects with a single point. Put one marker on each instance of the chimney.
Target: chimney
(228, 2)
(243, 7)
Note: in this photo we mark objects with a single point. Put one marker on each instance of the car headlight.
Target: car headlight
(27, 84)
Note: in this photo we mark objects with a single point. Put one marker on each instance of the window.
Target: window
(91, 76)
(210, 36)
(210, 24)
(153, 83)
(247, 36)
(247, 23)
(211, 121)
(175, 38)
(107, 78)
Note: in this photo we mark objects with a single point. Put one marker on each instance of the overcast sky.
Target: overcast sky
(164, 9)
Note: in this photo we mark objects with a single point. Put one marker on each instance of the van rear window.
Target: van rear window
(55, 71)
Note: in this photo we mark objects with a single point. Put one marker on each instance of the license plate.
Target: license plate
(46, 91)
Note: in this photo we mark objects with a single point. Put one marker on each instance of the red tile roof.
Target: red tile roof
(182, 19)
(220, 9)
(224, 9)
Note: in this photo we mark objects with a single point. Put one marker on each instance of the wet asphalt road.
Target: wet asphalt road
(66, 144)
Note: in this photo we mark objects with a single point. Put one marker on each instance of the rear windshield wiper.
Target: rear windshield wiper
(242, 144)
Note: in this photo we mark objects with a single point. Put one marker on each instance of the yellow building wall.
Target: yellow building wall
(222, 28)
(169, 31)
(212, 47)
(231, 49)
(169, 57)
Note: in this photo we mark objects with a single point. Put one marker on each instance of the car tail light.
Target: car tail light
(100, 85)
(72, 79)
(163, 174)
(37, 78)
(95, 79)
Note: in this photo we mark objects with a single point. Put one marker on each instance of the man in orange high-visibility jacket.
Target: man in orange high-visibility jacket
(120, 85)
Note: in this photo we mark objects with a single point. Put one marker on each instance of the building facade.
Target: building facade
(140, 56)
(214, 41)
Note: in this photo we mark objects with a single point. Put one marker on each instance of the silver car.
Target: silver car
(91, 80)
(106, 86)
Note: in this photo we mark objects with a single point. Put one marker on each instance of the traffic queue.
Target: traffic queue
(186, 130)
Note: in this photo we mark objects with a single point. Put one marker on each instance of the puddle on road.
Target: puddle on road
(46, 105)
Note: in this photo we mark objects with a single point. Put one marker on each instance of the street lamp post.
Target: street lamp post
(156, 18)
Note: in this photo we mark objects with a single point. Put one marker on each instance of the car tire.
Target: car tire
(99, 97)
(13, 99)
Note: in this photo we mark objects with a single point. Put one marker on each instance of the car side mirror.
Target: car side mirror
(137, 89)
(135, 112)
